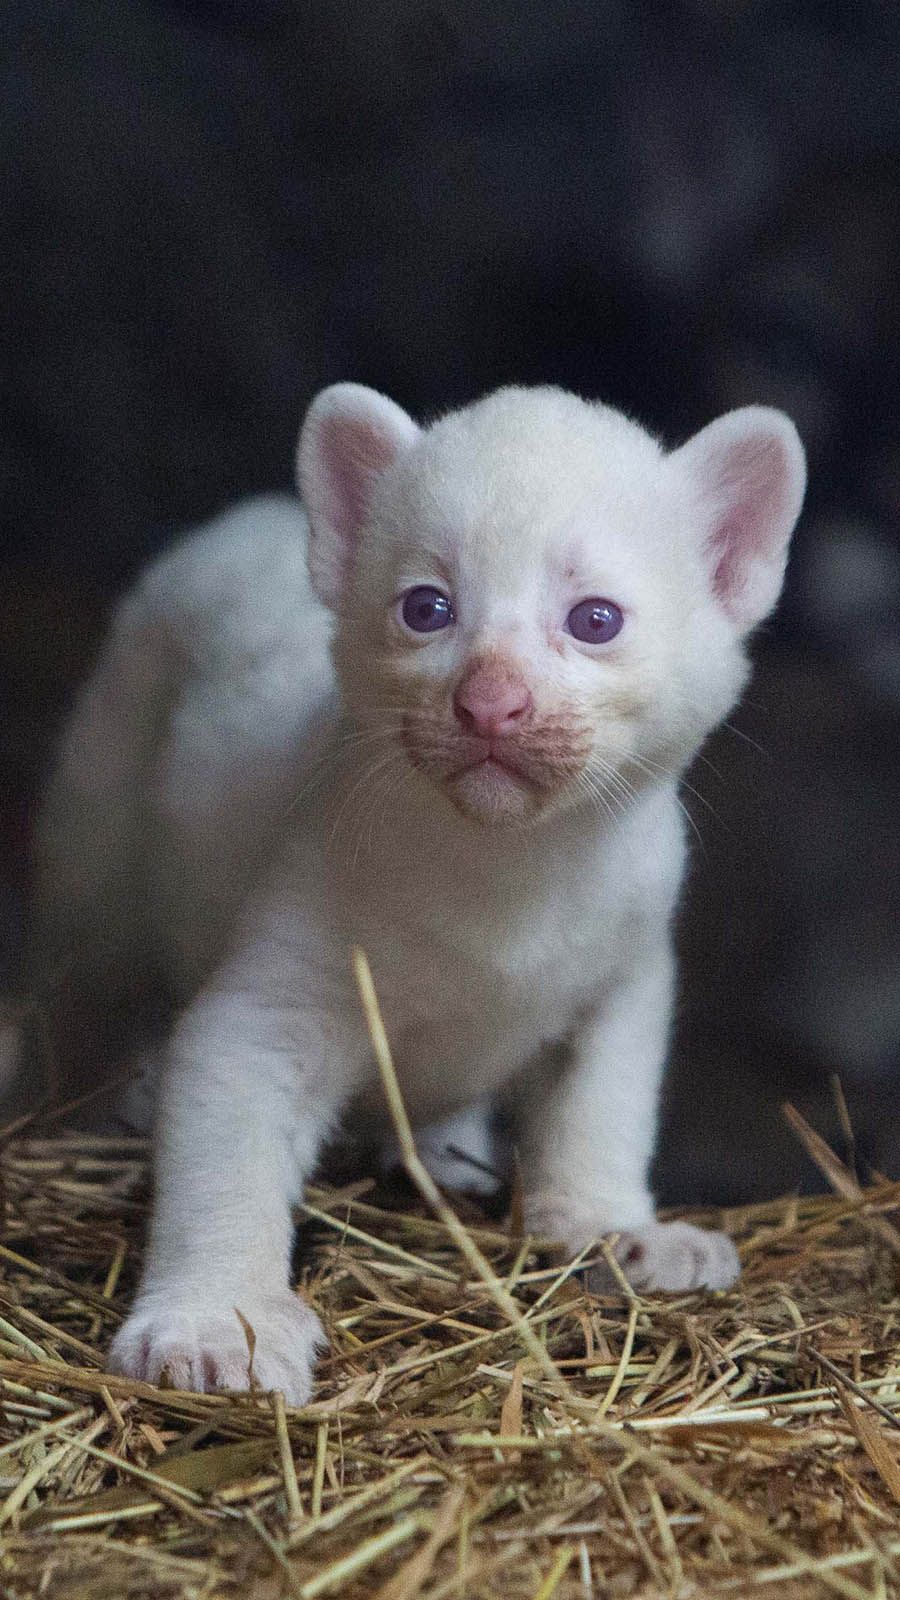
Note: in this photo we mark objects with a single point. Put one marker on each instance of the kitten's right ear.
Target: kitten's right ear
(350, 436)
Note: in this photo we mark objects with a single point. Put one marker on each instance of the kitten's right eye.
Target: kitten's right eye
(426, 610)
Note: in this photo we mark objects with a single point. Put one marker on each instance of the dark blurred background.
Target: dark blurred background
(212, 209)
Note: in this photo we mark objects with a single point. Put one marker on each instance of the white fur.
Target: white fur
(519, 935)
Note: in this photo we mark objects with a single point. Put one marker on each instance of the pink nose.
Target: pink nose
(492, 701)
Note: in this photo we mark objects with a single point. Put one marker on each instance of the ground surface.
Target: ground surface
(736, 1445)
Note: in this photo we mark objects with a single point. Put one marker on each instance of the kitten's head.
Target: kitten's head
(535, 603)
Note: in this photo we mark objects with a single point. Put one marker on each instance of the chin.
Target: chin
(494, 797)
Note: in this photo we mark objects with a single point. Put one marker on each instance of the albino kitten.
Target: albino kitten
(537, 616)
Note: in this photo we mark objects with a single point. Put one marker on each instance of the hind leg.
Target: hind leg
(463, 1151)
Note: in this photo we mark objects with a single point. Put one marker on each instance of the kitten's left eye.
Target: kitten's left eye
(594, 621)
(425, 609)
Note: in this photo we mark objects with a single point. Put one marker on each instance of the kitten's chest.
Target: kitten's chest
(481, 959)
(462, 1024)
(489, 969)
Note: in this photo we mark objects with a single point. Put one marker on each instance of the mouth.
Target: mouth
(490, 789)
(490, 758)
(496, 780)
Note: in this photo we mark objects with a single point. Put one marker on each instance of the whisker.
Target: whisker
(379, 799)
(368, 773)
(347, 739)
(740, 734)
(656, 770)
(597, 795)
(716, 771)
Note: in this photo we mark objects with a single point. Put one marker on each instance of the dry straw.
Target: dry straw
(481, 1426)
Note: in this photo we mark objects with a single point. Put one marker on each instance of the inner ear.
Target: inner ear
(350, 437)
(749, 471)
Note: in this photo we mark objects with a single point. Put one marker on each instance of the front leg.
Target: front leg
(251, 1090)
(588, 1138)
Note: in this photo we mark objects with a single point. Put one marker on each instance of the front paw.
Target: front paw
(671, 1256)
(197, 1343)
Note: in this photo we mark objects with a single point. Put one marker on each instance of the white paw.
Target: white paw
(198, 1344)
(458, 1171)
(673, 1256)
(461, 1152)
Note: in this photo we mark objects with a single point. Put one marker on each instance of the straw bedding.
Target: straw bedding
(482, 1425)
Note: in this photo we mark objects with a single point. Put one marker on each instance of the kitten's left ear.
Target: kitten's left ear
(749, 472)
(350, 436)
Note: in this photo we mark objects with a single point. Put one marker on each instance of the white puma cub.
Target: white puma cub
(455, 739)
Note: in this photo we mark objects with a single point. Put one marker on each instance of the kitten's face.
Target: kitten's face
(530, 617)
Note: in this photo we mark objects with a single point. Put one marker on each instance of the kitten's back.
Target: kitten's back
(177, 765)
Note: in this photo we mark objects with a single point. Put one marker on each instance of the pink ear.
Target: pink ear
(351, 435)
(749, 471)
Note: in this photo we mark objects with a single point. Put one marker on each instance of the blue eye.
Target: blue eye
(426, 610)
(595, 621)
